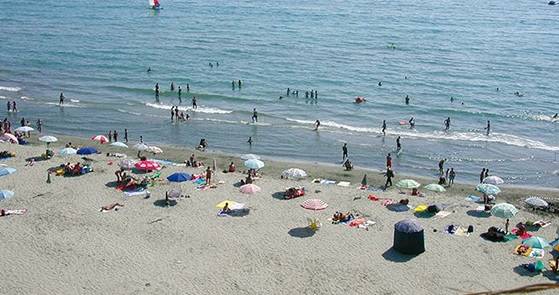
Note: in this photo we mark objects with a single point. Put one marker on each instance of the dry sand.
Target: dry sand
(64, 245)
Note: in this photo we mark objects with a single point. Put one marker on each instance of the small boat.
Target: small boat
(154, 4)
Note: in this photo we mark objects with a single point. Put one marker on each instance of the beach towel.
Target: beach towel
(442, 214)
(397, 207)
(522, 250)
(420, 208)
(537, 253)
(472, 198)
(200, 181)
(344, 183)
(327, 181)
(373, 197)
(523, 236)
(14, 212)
(202, 187)
(387, 202)
(141, 193)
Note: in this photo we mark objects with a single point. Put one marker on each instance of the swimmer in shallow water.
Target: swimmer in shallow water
(412, 122)
(316, 124)
(556, 116)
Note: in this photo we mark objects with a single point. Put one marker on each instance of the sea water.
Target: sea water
(98, 53)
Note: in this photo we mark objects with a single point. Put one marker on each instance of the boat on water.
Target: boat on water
(154, 4)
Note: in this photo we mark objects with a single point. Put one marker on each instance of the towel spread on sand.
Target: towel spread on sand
(327, 181)
(441, 214)
(344, 183)
(136, 193)
(14, 212)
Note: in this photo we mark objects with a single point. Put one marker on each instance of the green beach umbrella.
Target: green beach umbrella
(504, 210)
(408, 183)
(364, 180)
(488, 189)
(536, 242)
(435, 187)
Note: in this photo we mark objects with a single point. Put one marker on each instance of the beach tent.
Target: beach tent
(88, 150)
(179, 177)
(409, 237)
(5, 194)
(249, 188)
(294, 173)
(7, 171)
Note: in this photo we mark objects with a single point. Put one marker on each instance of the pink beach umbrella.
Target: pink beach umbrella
(100, 138)
(9, 137)
(249, 188)
(314, 204)
(147, 165)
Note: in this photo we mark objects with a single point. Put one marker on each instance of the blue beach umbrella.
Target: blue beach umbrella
(6, 194)
(254, 164)
(88, 150)
(7, 171)
(536, 242)
(179, 177)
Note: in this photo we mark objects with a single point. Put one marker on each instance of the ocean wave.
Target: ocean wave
(26, 98)
(3, 97)
(216, 120)
(200, 109)
(544, 118)
(65, 105)
(10, 89)
(74, 100)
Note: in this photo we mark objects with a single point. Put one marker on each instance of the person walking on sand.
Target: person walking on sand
(126, 135)
(482, 175)
(208, 176)
(447, 124)
(254, 116)
(488, 128)
(61, 101)
(451, 176)
(194, 104)
(384, 127)
(389, 175)
(344, 152)
(441, 166)
(388, 161)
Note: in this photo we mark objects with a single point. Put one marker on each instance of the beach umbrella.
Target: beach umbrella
(536, 202)
(408, 183)
(495, 180)
(6, 194)
(488, 189)
(154, 149)
(250, 157)
(100, 138)
(141, 146)
(435, 187)
(364, 180)
(314, 204)
(119, 144)
(147, 165)
(87, 150)
(231, 204)
(127, 164)
(67, 151)
(48, 139)
(504, 210)
(294, 173)
(536, 242)
(254, 164)
(9, 137)
(7, 171)
(24, 129)
(249, 188)
(179, 177)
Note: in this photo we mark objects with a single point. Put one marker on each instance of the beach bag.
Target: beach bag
(470, 229)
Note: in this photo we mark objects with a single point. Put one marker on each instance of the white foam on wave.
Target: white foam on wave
(65, 105)
(544, 118)
(200, 109)
(10, 89)
(26, 98)
(503, 138)
(216, 120)
(74, 100)
(3, 97)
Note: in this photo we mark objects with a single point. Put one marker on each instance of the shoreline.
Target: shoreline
(315, 169)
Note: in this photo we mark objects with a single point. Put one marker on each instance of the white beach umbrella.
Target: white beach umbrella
(119, 144)
(495, 180)
(294, 173)
(141, 146)
(536, 202)
(154, 149)
(24, 129)
(67, 152)
(48, 139)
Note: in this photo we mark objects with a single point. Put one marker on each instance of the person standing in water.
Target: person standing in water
(447, 124)
(344, 152)
(249, 140)
(388, 161)
(398, 145)
(110, 137)
(172, 113)
(412, 122)
(482, 175)
(9, 105)
(441, 166)
(451, 176)
(187, 88)
(126, 135)
(172, 86)
(316, 124)
(39, 125)
(316, 94)
(407, 100)
(14, 106)
(157, 90)
(240, 84)
(254, 116)
(194, 104)
(288, 91)
(233, 85)
(115, 136)
(488, 128)
(384, 127)
(180, 95)
(486, 173)
(61, 101)
(306, 94)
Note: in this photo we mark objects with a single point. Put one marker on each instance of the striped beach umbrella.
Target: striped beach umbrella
(314, 204)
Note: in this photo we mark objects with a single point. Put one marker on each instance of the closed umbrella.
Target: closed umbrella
(67, 151)
(179, 177)
(119, 144)
(154, 149)
(536, 242)
(7, 171)
(364, 180)
(87, 150)
(141, 146)
(435, 188)
(294, 173)
(250, 157)
(505, 211)
(6, 194)
(495, 180)
(9, 137)
(127, 164)
(488, 189)
(24, 129)
(408, 183)
(314, 204)
(249, 188)
(536, 202)
(48, 139)
(147, 165)
(100, 138)
(254, 164)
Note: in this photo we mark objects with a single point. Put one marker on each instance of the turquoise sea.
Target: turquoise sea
(98, 52)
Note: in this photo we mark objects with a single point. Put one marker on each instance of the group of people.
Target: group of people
(238, 83)
(178, 115)
(12, 107)
(448, 176)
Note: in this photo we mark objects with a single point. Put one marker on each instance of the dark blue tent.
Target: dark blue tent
(88, 150)
(179, 177)
(409, 237)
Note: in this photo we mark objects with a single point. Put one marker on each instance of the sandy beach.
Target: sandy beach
(64, 245)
